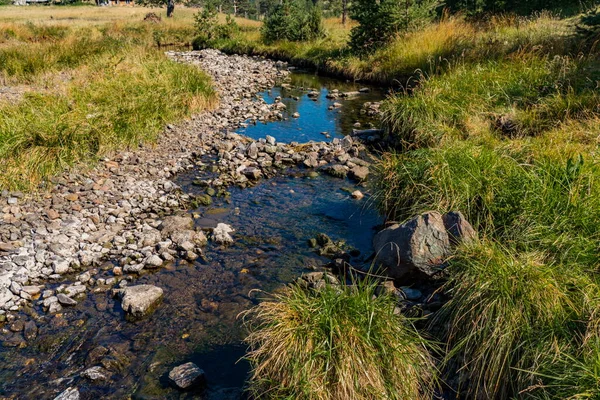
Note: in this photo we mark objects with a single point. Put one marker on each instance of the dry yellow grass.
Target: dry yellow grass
(83, 16)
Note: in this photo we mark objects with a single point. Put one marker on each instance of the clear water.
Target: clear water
(315, 116)
(198, 319)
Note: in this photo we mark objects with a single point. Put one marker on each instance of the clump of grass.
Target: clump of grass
(522, 192)
(536, 93)
(104, 108)
(506, 310)
(336, 343)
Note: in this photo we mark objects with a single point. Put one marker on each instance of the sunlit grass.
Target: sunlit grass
(336, 343)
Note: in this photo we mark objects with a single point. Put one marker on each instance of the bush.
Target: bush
(380, 21)
(206, 24)
(293, 20)
(336, 343)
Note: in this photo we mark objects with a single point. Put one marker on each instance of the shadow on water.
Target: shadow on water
(198, 319)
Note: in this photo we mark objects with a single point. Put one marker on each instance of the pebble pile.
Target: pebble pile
(122, 216)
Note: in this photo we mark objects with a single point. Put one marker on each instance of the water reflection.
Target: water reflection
(315, 115)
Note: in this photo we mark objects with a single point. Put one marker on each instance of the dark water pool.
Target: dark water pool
(198, 319)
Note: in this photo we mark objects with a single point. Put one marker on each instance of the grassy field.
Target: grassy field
(87, 81)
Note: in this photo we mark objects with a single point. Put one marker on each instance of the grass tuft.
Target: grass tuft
(336, 343)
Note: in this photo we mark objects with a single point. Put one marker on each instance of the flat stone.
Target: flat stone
(69, 394)
(65, 300)
(52, 214)
(186, 376)
(138, 301)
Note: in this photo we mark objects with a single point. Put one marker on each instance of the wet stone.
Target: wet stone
(69, 394)
(95, 374)
(65, 300)
(186, 376)
(138, 301)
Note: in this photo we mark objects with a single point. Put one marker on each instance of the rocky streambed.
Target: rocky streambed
(113, 276)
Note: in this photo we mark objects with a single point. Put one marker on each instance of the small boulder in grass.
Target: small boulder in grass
(187, 376)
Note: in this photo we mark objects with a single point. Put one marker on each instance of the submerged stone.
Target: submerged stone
(186, 376)
(138, 301)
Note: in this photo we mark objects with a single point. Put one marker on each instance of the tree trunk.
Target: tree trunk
(170, 8)
(344, 11)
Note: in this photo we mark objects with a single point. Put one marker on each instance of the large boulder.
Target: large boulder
(421, 245)
(186, 376)
(138, 301)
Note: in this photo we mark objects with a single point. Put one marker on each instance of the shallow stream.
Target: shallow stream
(198, 319)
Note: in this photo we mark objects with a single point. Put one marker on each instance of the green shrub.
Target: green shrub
(335, 343)
(206, 23)
(293, 20)
(380, 21)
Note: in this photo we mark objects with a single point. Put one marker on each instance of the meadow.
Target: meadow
(86, 81)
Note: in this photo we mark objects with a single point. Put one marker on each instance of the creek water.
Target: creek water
(199, 318)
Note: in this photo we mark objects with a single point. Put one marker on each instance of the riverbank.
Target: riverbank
(501, 123)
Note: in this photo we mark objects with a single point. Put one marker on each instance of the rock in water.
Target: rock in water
(69, 394)
(176, 223)
(95, 373)
(221, 234)
(186, 376)
(419, 245)
(138, 301)
(458, 228)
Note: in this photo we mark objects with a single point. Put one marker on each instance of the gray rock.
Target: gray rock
(186, 376)
(221, 234)
(69, 394)
(359, 173)
(60, 266)
(65, 300)
(154, 261)
(150, 237)
(96, 373)
(138, 301)
(421, 244)
(458, 228)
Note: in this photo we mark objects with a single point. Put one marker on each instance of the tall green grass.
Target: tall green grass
(531, 93)
(508, 310)
(336, 343)
(106, 94)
